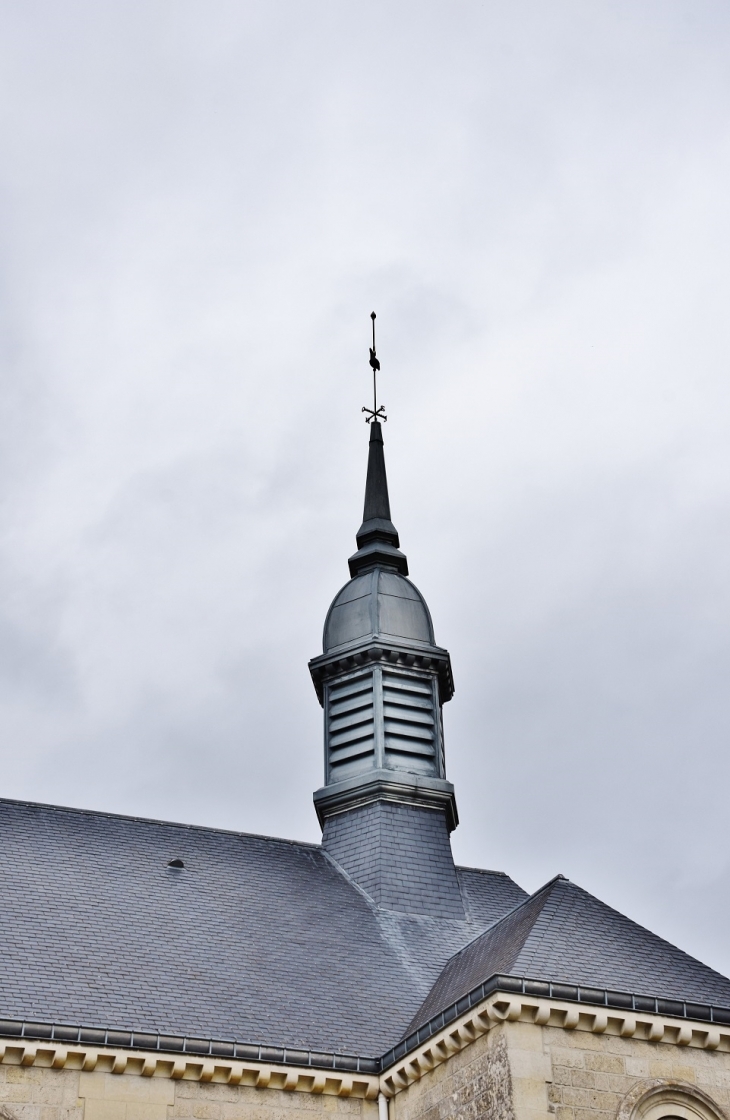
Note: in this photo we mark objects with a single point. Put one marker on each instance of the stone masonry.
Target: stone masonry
(516, 1071)
(520, 1071)
(48, 1094)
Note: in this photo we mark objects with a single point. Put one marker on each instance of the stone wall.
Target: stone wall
(591, 1074)
(520, 1071)
(39, 1093)
(475, 1083)
(516, 1071)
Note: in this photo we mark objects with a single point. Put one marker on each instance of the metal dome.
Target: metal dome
(378, 604)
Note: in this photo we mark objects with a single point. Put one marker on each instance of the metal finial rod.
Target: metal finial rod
(374, 413)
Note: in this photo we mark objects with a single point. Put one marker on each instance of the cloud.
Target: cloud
(200, 210)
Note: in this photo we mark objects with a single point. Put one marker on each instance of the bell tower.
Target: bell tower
(386, 807)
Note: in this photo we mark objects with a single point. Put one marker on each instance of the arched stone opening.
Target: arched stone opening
(664, 1099)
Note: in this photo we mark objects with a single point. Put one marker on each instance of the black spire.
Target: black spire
(377, 537)
(377, 506)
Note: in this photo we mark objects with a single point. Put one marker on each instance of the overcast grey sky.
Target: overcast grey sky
(200, 204)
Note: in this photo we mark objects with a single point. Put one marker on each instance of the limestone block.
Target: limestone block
(110, 1096)
(105, 1110)
(661, 1066)
(15, 1089)
(620, 1083)
(637, 1067)
(206, 1110)
(49, 1091)
(566, 1056)
(585, 1079)
(531, 1065)
(606, 1063)
(683, 1071)
(109, 1086)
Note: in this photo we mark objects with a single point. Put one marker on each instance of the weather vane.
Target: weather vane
(374, 413)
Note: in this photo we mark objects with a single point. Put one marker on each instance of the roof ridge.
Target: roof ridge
(498, 921)
(158, 821)
(540, 936)
(449, 974)
(576, 887)
(483, 871)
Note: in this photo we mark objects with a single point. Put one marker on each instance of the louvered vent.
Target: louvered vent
(351, 736)
(410, 726)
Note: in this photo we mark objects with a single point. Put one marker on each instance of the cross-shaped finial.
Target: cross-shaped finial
(374, 413)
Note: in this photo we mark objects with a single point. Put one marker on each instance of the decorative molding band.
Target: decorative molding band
(502, 999)
(502, 1008)
(197, 1048)
(548, 989)
(141, 1063)
(387, 785)
(432, 659)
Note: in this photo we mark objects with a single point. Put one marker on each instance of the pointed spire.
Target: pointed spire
(377, 505)
(377, 537)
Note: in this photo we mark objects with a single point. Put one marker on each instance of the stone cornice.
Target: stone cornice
(506, 1008)
(593, 997)
(52, 1054)
(501, 1007)
(502, 999)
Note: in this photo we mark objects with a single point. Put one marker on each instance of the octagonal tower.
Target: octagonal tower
(386, 807)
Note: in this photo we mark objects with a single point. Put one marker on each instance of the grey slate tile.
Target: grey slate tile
(269, 941)
(565, 935)
(258, 939)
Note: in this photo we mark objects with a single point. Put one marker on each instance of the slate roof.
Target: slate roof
(267, 941)
(258, 940)
(565, 935)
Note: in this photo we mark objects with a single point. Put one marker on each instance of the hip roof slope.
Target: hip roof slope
(256, 939)
(565, 935)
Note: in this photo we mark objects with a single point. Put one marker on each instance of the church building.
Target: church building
(158, 971)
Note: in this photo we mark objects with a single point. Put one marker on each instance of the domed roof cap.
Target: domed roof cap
(379, 604)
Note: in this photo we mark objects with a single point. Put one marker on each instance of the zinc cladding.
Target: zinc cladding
(255, 940)
(378, 603)
(565, 935)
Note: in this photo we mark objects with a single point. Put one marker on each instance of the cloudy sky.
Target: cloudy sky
(200, 204)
